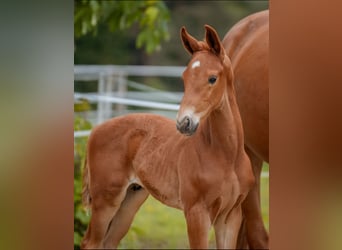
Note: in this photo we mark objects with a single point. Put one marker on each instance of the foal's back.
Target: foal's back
(140, 126)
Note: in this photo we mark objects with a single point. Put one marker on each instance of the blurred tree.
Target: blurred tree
(119, 47)
(152, 17)
(221, 15)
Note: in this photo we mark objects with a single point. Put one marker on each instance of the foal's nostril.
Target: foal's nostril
(187, 122)
(185, 126)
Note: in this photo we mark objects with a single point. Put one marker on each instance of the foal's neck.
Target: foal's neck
(222, 130)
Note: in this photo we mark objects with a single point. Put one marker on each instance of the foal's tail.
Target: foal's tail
(86, 199)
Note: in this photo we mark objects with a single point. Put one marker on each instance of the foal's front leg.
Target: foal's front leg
(198, 224)
(233, 223)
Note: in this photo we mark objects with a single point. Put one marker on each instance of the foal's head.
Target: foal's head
(205, 79)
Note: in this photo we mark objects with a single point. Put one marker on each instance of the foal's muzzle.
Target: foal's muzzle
(186, 126)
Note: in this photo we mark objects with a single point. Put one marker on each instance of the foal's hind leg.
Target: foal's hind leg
(122, 220)
(103, 210)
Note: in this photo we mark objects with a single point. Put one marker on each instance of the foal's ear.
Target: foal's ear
(189, 42)
(214, 42)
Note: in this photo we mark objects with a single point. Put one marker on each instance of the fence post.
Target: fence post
(101, 104)
(121, 91)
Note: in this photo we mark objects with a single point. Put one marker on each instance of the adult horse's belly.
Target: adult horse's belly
(247, 46)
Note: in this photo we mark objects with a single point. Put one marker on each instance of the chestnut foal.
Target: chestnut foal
(203, 170)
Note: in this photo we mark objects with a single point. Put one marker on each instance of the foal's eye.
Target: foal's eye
(212, 79)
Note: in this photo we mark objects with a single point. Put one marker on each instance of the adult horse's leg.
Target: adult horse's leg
(198, 225)
(257, 235)
(122, 220)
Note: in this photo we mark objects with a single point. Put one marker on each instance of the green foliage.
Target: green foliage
(265, 196)
(151, 16)
(80, 143)
(81, 219)
(80, 106)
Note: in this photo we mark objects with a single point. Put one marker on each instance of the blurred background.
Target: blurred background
(129, 58)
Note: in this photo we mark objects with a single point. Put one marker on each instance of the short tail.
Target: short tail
(86, 199)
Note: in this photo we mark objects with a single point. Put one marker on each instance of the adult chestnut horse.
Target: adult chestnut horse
(247, 46)
(203, 170)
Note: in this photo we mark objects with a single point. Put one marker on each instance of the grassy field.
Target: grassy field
(158, 226)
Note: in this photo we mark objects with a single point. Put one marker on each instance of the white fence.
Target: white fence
(112, 82)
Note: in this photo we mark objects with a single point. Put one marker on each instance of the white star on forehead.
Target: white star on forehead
(195, 64)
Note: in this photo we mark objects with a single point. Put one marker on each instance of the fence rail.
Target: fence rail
(118, 100)
(92, 72)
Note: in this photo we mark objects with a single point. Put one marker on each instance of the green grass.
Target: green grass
(158, 226)
(265, 197)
